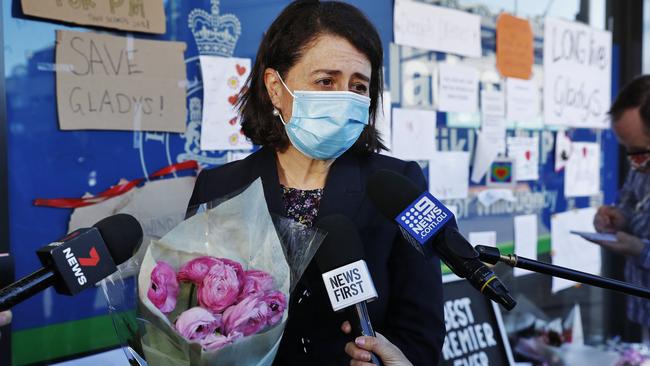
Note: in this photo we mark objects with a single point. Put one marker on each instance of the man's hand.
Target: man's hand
(625, 244)
(609, 219)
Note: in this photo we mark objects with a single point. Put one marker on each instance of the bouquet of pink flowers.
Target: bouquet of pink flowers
(214, 290)
(230, 303)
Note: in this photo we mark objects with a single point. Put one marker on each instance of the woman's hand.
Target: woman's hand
(625, 244)
(360, 350)
(5, 318)
(609, 219)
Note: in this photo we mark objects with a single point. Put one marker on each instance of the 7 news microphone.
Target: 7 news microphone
(345, 273)
(424, 222)
(79, 260)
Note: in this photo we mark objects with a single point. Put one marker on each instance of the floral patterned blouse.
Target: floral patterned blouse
(302, 205)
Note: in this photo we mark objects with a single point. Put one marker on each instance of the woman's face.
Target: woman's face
(330, 63)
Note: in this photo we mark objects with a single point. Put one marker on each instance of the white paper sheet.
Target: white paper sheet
(582, 171)
(488, 197)
(383, 122)
(458, 88)
(577, 74)
(493, 122)
(570, 250)
(487, 238)
(414, 134)
(523, 100)
(525, 239)
(158, 206)
(484, 154)
(562, 150)
(436, 28)
(223, 79)
(525, 151)
(449, 174)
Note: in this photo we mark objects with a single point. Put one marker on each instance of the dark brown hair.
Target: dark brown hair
(283, 45)
(634, 94)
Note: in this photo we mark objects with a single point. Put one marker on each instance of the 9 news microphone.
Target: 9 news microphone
(79, 260)
(345, 273)
(422, 219)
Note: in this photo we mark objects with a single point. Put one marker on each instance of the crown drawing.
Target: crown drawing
(215, 34)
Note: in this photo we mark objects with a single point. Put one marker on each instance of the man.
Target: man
(629, 219)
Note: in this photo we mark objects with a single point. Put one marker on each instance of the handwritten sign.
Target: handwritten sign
(514, 47)
(577, 74)
(436, 28)
(133, 15)
(115, 83)
(475, 332)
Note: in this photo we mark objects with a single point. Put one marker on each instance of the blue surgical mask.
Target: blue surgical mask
(324, 125)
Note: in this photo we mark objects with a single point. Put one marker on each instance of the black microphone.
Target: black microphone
(423, 221)
(79, 260)
(345, 273)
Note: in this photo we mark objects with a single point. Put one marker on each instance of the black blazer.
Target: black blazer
(409, 310)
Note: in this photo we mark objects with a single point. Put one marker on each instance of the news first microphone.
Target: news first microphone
(424, 222)
(79, 260)
(345, 273)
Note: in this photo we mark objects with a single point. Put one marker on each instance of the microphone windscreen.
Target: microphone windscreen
(122, 234)
(342, 244)
(391, 192)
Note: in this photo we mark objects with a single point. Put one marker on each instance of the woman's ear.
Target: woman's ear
(273, 86)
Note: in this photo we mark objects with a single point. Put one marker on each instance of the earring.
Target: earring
(276, 112)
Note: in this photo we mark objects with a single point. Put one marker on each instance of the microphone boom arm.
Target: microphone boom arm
(492, 255)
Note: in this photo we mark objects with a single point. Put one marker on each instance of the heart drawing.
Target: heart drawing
(232, 99)
(501, 172)
(241, 70)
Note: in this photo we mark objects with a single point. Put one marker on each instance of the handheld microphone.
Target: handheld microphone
(423, 221)
(79, 260)
(345, 274)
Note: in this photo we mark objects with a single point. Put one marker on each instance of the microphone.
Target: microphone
(79, 260)
(423, 221)
(345, 274)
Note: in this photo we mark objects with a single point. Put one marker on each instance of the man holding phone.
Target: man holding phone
(629, 219)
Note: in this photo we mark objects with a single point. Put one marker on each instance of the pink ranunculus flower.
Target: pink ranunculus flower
(197, 323)
(220, 287)
(241, 276)
(256, 282)
(248, 317)
(277, 303)
(164, 287)
(214, 342)
(196, 269)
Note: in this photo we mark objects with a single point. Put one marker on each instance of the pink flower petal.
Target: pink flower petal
(277, 303)
(248, 317)
(220, 287)
(164, 287)
(197, 323)
(256, 283)
(196, 269)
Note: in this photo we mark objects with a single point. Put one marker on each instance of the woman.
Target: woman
(311, 104)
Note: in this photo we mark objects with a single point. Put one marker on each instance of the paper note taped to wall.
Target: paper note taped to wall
(133, 15)
(115, 83)
(577, 74)
(436, 28)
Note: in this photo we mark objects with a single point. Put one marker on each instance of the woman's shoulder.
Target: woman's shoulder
(411, 169)
(219, 181)
(376, 161)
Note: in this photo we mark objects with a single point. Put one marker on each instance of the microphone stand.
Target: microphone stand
(492, 255)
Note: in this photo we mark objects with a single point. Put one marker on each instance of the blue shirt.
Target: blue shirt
(634, 202)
